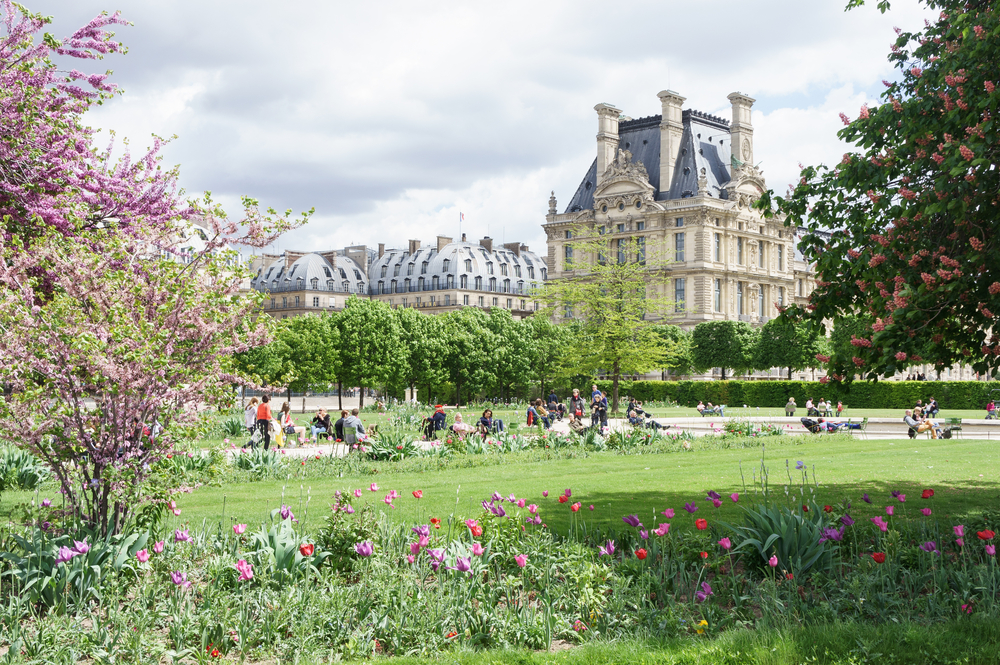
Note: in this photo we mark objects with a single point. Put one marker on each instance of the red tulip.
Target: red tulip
(879, 557)
(985, 535)
(805, 509)
(701, 524)
(307, 549)
(926, 494)
(575, 507)
(418, 494)
(703, 555)
(827, 509)
(640, 553)
(563, 499)
(476, 530)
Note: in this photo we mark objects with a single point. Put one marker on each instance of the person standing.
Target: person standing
(577, 407)
(599, 409)
(250, 418)
(264, 420)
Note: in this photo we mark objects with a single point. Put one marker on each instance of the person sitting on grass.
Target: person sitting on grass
(488, 424)
(576, 424)
(434, 423)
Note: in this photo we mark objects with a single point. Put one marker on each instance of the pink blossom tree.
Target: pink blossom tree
(112, 336)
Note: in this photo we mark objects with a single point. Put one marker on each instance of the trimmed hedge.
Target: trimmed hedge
(881, 395)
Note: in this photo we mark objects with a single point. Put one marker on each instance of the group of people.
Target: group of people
(822, 408)
(261, 423)
(916, 377)
(438, 421)
(918, 420)
(710, 410)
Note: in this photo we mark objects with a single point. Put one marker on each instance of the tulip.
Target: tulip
(415, 548)
(563, 499)
(880, 523)
(959, 530)
(640, 554)
(545, 493)
(717, 503)
(286, 513)
(142, 555)
(81, 546)
(418, 494)
(985, 535)
(437, 558)
(926, 512)
(532, 509)
(591, 506)
(307, 549)
(477, 549)
(690, 507)
(663, 530)
(889, 510)
(423, 541)
(632, 520)
(179, 578)
(608, 550)
(373, 487)
(735, 496)
(926, 494)
(239, 529)
(522, 560)
(902, 498)
(410, 558)
(991, 550)
(65, 555)
(349, 510)
(158, 547)
(668, 513)
(388, 500)
(46, 503)
(575, 507)
(703, 555)
(878, 557)
(364, 548)
(181, 536)
(567, 493)
(357, 493)
(463, 564)
(773, 561)
(245, 570)
(960, 542)
(701, 524)
(847, 520)
(520, 503)
(706, 591)
(726, 544)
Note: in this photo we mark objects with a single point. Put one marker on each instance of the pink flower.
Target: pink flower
(717, 503)
(239, 529)
(960, 542)
(966, 152)
(182, 536)
(245, 570)
(520, 503)
(889, 510)
(522, 560)
(357, 493)
(926, 512)
(844, 118)
(668, 513)
(991, 550)
(916, 71)
(158, 547)
(990, 86)
(773, 561)
(880, 523)
(180, 579)
(477, 549)
(735, 496)
(591, 506)
(415, 548)
(373, 487)
(959, 530)
(902, 498)
(663, 530)
(532, 509)
(142, 555)
(864, 110)
(725, 544)
(46, 503)
(545, 493)
(410, 558)
(388, 500)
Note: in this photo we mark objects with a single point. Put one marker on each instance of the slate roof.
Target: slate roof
(705, 143)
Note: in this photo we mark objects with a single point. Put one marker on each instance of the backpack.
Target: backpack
(946, 434)
(531, 417)
(810, 425)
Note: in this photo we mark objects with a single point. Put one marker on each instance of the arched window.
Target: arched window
(446, 265)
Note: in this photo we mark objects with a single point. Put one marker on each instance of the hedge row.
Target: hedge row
(881, 395)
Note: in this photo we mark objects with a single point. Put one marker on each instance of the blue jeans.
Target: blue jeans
(317, 430)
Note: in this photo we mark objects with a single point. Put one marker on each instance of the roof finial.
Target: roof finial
(552, 203)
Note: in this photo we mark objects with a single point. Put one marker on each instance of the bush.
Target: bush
(20, 470)
(880, 395)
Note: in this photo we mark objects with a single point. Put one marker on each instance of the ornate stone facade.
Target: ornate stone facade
(676, 181)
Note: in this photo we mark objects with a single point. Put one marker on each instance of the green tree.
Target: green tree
(425, 348)
(470, 345)
(371, 353)
(555, 352)
(914, 204)
(724, 344)
(616, 291)
(511, 356)
(845, 329)
(677, 346)
(785, 343)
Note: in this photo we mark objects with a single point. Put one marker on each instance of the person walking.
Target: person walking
(264, 420)
(577, 407)
(250, 418)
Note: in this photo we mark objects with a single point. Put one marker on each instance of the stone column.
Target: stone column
(607, 137)
(671, 130)
(741, 128)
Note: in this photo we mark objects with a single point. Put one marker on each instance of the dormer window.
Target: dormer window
(395, 270)
(531, 272)
(347, 286)
(468, 265)
(384, 270)
(503, 268)
(446, 264)
(357, 275)
(489, 268)
(423, 268)
(314, 283)
(409, 269)
(329, 285)
(517, 271)
(326, 271)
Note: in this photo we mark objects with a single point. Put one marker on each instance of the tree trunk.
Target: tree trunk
(289, 397)
(614, 386)
(458, 393)
(789, 373)
(340, 395)
(303, 403)
(361, 398)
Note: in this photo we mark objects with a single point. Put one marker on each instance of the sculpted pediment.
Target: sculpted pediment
(746, 185)
(623, 182)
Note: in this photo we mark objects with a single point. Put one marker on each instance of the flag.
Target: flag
(461, 216)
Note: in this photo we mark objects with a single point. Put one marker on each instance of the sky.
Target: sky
(392, 118)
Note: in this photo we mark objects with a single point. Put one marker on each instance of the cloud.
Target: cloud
(391, 117)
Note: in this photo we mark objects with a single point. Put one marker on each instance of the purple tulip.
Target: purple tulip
(364, 548)
(487, 505)
(497, 496)
(690, 507)
(702, 595)
(46, 503)
(609, 550)
(182, 536)
(644, 534)
(866, 498)
(81, 547)
(846, 520)
(463, 564)
(830, 533)
(717, 503)
(930, 546)
(437, 558)
(895, 494)
(422, 530)
(65, 555)
(286, 513)
(180, 579)
(512, 499)
(632, 520)
(713, 496)
(568, 493)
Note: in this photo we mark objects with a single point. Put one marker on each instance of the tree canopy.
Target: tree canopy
(724, 344)
(904, 228)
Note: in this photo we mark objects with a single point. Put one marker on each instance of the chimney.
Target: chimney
(741, 130)
(607, 137)
(487, 243)
(463, 238)
(381, 249)
(671, 131)
(414, 247)
(442, 241)
(513, 247)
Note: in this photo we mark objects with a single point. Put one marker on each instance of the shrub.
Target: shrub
(259, 462)
(20, 470)
(795, 537)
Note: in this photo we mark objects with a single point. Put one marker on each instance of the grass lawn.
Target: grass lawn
(964, 474)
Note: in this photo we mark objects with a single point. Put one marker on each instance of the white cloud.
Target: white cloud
(391, 117)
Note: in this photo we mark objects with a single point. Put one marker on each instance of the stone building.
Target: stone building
(675, 184)
(435, 278)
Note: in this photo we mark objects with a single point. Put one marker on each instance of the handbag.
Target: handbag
(289, 429)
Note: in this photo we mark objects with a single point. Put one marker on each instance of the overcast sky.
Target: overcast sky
(390, 118)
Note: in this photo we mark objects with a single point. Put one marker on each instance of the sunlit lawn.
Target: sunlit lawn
(963, 473)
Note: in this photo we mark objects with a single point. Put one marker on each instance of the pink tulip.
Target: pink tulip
(158, 547)
(773, 561)
(373, 487)
(735, 496)
(532, 509)
(668, 513)
(889, 510)
(142, 555)
(725, 544)
(520, 503)
(663, 530)
(991, 550)
(423, 541)
(415, 548)
(245, 570)
(410, 558)
(545, 493)
(239, 529)
(522, 560)
(926, 512)
(959, 530)
(477, 549)
(357, 493)
(960, 542)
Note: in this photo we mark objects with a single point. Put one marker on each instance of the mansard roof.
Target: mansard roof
(705, 143)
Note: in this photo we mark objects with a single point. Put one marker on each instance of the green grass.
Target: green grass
(962, 472)
(970, 642)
